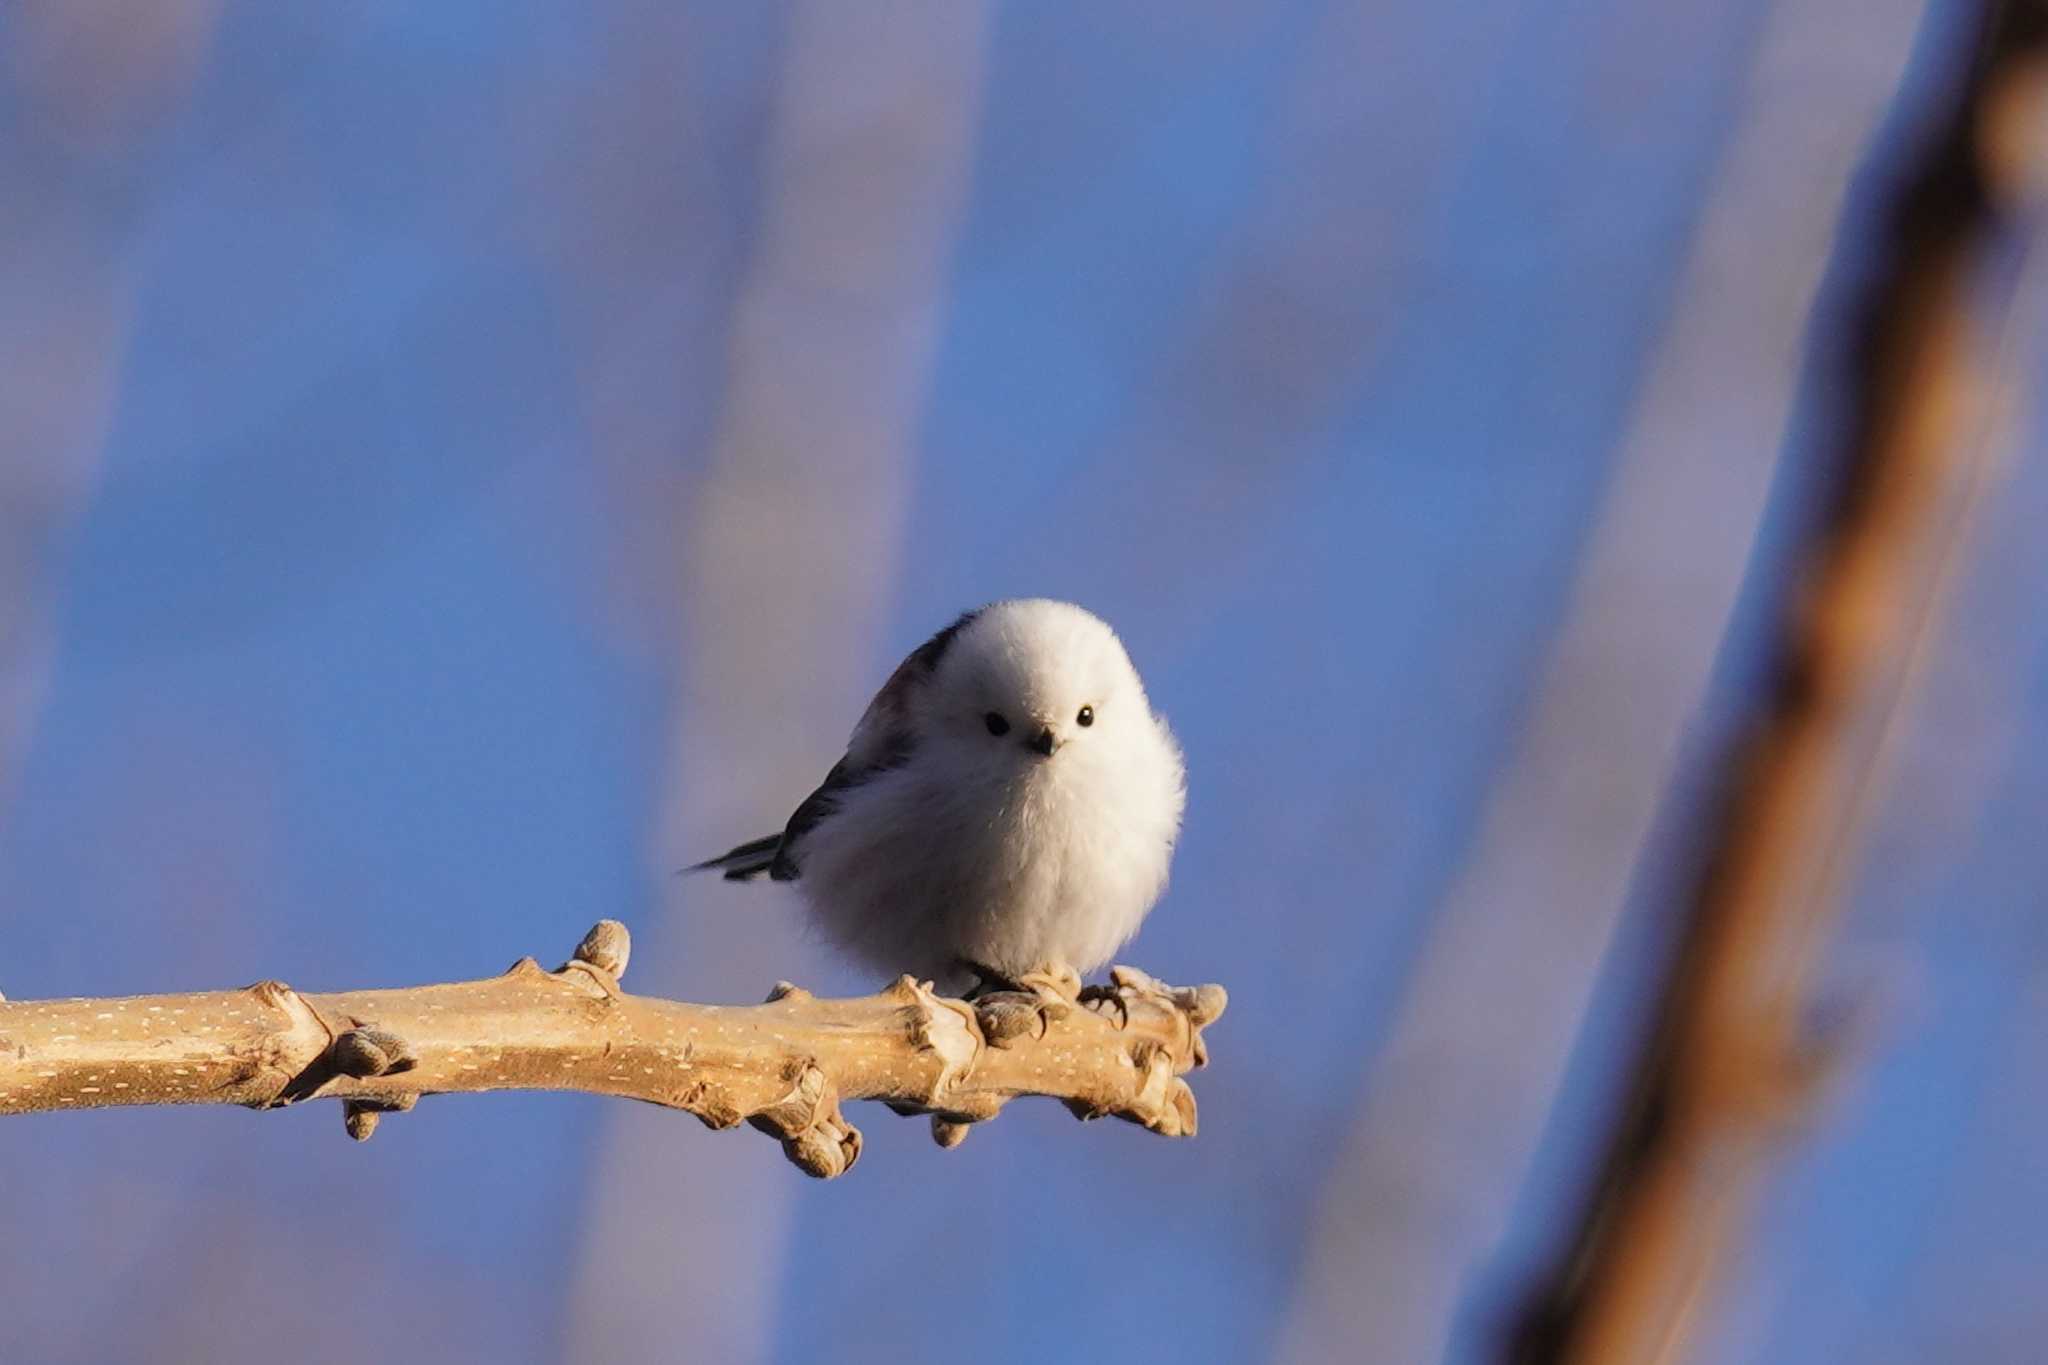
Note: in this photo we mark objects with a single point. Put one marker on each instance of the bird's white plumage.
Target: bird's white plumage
(938, 848)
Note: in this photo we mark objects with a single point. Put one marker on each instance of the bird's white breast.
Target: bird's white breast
(921, 869)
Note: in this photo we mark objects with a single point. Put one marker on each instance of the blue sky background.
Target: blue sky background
(460, 464)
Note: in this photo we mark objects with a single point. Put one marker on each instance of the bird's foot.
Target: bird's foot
(987, 981)
(1007, 1009)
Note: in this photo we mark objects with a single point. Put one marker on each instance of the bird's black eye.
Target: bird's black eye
(995, 723)
(1087, 716)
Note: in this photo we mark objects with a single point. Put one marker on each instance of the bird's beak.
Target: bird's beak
(1044, 742)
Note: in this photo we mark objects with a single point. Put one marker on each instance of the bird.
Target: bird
(1007, 804)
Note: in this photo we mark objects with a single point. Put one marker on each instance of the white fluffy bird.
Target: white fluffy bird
(1008, 801)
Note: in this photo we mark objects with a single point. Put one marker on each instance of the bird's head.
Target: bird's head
(1031, 686)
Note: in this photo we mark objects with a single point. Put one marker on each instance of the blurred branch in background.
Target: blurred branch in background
(1735, 1057)
(782, 1066)
(91, 92)
(1414, 1246)
(852, 130)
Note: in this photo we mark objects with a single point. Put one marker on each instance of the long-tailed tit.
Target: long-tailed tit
(1009, 800)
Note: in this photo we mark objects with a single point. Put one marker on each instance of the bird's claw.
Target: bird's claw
(1100, 998)
(1038, 1000)
(1008, 1015)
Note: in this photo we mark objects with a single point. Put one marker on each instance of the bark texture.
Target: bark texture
(783, 1066)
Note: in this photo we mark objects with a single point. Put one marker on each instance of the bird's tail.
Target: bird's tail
(750, 859)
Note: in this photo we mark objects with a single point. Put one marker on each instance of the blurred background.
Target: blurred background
(459, 463)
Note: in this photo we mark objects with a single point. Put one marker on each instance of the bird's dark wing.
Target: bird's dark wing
(882, 736)
(883, 739)
(784, 867)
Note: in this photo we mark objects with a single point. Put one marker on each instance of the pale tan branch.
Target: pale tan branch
(782, 1066)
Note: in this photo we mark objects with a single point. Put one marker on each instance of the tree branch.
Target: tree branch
(783, 1066)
